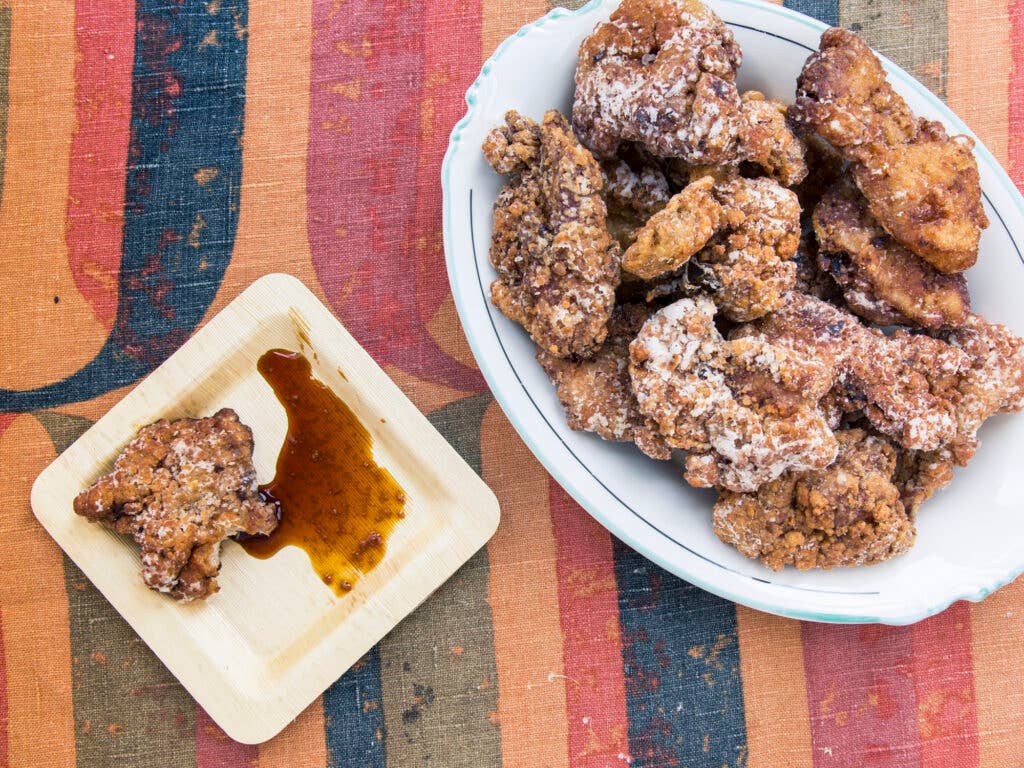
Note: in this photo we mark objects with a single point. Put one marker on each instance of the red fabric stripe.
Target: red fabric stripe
(105, 34)
(595, 691)
(447, 72)
(379, 96)
(1016, 95)
(944, 680)
(215, 749)
(861, 695)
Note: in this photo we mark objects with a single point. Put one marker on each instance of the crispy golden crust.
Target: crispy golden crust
(767, 139)
(661, 73)
(179, 488)
(676, 232)
(596, 393)
(745, 409)
(514, 147)
(882, 281)
(993, 382)
(927, 194)
(903, 383)
(744, 231)
(557, 264)
(848, 514)
(843, 94)
(748, 261)
(921, 185)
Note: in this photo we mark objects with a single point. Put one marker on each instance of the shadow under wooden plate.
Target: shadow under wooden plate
(259, 651)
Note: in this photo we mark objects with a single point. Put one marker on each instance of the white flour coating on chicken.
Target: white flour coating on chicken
(179, 488)
(661, 73)
(745, 409)
(557, 264)
(903, 383)
(850, 513)
(993, 382)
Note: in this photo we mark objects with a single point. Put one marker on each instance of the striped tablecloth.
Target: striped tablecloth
(158, 155)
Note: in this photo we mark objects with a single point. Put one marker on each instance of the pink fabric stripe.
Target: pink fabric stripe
(215, 749)
(860, 690)
(595, 690)
(378, 96)
(105, 35)
(944, 681)
(1016, 95)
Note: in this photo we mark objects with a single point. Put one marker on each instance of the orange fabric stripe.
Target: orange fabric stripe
(523, 593)
(774, 690)
(301, 744)
(979, 69)
(37, 651)
(273, 207)
(998, 626)
(502, 18)
(33, 216)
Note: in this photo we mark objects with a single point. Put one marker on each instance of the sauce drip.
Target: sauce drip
(335, 501)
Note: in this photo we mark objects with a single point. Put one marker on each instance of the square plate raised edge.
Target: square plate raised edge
(200, 674)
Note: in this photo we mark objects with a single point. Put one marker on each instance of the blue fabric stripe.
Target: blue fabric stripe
(354, 717)
(826, 11)
(188, 105)
(681, 661)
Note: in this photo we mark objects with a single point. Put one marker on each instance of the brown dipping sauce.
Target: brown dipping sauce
(335, 502)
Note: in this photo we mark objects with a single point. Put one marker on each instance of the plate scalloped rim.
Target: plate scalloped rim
(973, 592)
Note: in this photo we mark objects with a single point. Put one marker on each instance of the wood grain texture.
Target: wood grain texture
(286, 634)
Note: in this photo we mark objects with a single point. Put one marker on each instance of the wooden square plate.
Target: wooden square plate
(255, 654)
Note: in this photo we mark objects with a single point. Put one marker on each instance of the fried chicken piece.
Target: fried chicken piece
(927, 194)
(676, 232)
(921, 185)
(882, 281)
(903, 383)
(557, 264)
(749, 259)
(767, 140)
(847, 514)
(993, 382)
(745, 409)
(514, 147)
(634, 190)
(661, 73)
(744, 232)
(179, 488)
(596, 393)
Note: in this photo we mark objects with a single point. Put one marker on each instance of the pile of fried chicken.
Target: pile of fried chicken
(705, 270)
